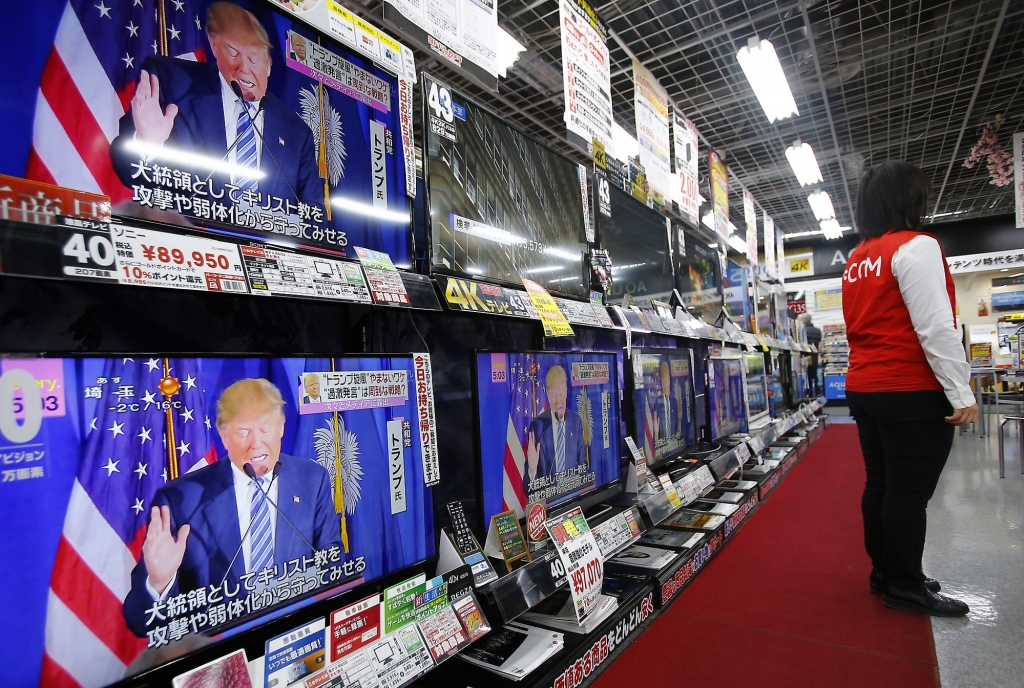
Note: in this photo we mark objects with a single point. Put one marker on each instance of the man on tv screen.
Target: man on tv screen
(222, 111)
(555, 442)
(666, 406)
(220, 523)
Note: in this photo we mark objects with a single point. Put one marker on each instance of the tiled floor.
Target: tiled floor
(975, 548)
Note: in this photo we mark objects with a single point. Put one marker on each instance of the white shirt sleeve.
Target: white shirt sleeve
(917, 267)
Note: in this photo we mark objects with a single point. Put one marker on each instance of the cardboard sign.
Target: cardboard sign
(581, 558)
(554, 321)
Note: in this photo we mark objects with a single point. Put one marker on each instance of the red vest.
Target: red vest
(885, 353)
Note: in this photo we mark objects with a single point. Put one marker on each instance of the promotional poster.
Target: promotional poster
(154, 503)
(232, 117)
(728, 396)
(502, 205)
(549, 426)
(663, 402)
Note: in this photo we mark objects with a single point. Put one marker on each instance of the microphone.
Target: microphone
(237, 90)
(251, 472)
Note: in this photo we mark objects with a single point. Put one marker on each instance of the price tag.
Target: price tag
(86, 249)
(555, 324)
(670, 491)
(386, 284)
(274, 271)
(581, 558)
(150, 258)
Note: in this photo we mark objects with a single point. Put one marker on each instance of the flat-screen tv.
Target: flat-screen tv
(662, 401)
(700, 279)
(548, 426)
(757, 385)
(727, 409)
(314, 158)
(638, 242)
(131, 521)
(502, 205)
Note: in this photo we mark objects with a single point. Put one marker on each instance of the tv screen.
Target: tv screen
(757, 384)
(700, 279)
(131, 521)
(548, 426)
(728, 405)
(637, 241)
(313, 158)
(502, 205)
(663, 403)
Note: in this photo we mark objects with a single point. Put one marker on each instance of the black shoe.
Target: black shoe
(927, 603)
(877, 583)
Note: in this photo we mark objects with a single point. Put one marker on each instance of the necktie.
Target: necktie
(559, 445)
(262, 540)
(245, 156)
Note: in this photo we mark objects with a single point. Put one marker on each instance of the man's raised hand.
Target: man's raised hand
(152, 124)
(161, 552)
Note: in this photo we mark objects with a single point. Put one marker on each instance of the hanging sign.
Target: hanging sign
(720, 194)
(651, 105)
(750, 215)
(769, 245)
(586, 77)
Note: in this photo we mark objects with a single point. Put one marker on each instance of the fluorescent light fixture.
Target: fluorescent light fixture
(152, 151)
(508, 49)
(821, 205)
(1005, 270)
(564, 279)
(474, 271)
(804, 164)
(738, 244)
(831, 229)
(359, 208)
(546, 268)
(624, 146)
(764, 72)
(559, 253)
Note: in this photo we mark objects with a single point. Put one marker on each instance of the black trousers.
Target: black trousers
(905, 442)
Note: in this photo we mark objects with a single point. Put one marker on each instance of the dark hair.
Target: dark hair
(892, 197)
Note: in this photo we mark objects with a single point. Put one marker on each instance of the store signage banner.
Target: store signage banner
(651, 105)
(720, 194)
(463, 33)
(980, 262)
(586, 73)
(769, 245)
(750, 215)
(780, 255)
(798, 266)
(684, 135)
(1018, 179)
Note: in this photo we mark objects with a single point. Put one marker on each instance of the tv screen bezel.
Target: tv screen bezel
(434, 268)
(629, 399)
(709, 392)
(566, 502)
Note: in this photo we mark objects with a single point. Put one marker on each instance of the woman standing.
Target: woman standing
(907, 384)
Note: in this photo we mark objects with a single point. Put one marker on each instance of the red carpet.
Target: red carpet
(786, 602)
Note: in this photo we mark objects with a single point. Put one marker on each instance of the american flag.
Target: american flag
(124, 461)
(525, 397)
(90, 78)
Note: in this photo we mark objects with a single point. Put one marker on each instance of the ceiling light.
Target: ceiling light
(831, 229)
(764, 72)
(508, 49)
(152, 151)
(821, 204)
(804, 164)
(546, 268)
(359, 208)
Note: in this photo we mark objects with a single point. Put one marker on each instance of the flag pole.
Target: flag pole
(322, 153)
(172, 448)
(161, 29)
(339, 492)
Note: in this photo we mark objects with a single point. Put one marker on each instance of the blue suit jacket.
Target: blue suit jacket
(575, 448)
(288, 157)
(205, 499)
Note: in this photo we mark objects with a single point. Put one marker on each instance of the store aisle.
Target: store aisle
(976, 548)
(786, 603)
